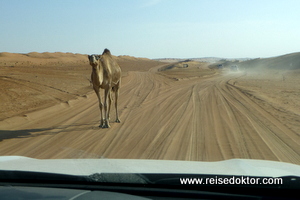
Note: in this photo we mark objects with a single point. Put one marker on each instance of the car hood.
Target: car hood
(243, 167)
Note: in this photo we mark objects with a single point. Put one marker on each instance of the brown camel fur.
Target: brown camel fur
(106, 74)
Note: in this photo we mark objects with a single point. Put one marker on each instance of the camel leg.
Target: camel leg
(106, 108)
(109, 106)
(116, 102)
(97, 91)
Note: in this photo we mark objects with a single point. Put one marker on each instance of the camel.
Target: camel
(106, 74)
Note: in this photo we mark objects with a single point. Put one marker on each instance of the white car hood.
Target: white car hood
(244, 167)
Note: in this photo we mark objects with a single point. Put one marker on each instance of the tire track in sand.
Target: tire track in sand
(204, 119)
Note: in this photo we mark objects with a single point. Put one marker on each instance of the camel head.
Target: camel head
(94, 59)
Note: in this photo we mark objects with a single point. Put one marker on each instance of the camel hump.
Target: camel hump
(106, 51)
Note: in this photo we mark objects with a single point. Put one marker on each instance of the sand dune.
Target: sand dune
(193, 113)
(38, 80)
(284, 62)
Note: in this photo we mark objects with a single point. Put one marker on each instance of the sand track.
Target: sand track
(205, 119)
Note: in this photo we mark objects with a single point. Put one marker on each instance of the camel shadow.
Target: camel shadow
(10, 134)
(27, 133)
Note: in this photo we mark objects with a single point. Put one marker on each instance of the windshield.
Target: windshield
(151, 80)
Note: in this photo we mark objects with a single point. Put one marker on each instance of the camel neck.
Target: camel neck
(98, 73)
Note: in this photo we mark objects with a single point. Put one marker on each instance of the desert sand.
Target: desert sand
(48, 109)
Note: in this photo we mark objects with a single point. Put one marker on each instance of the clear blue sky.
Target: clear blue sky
(152, 28)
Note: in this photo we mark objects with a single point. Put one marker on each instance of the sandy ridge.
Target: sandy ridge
(193, 114)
